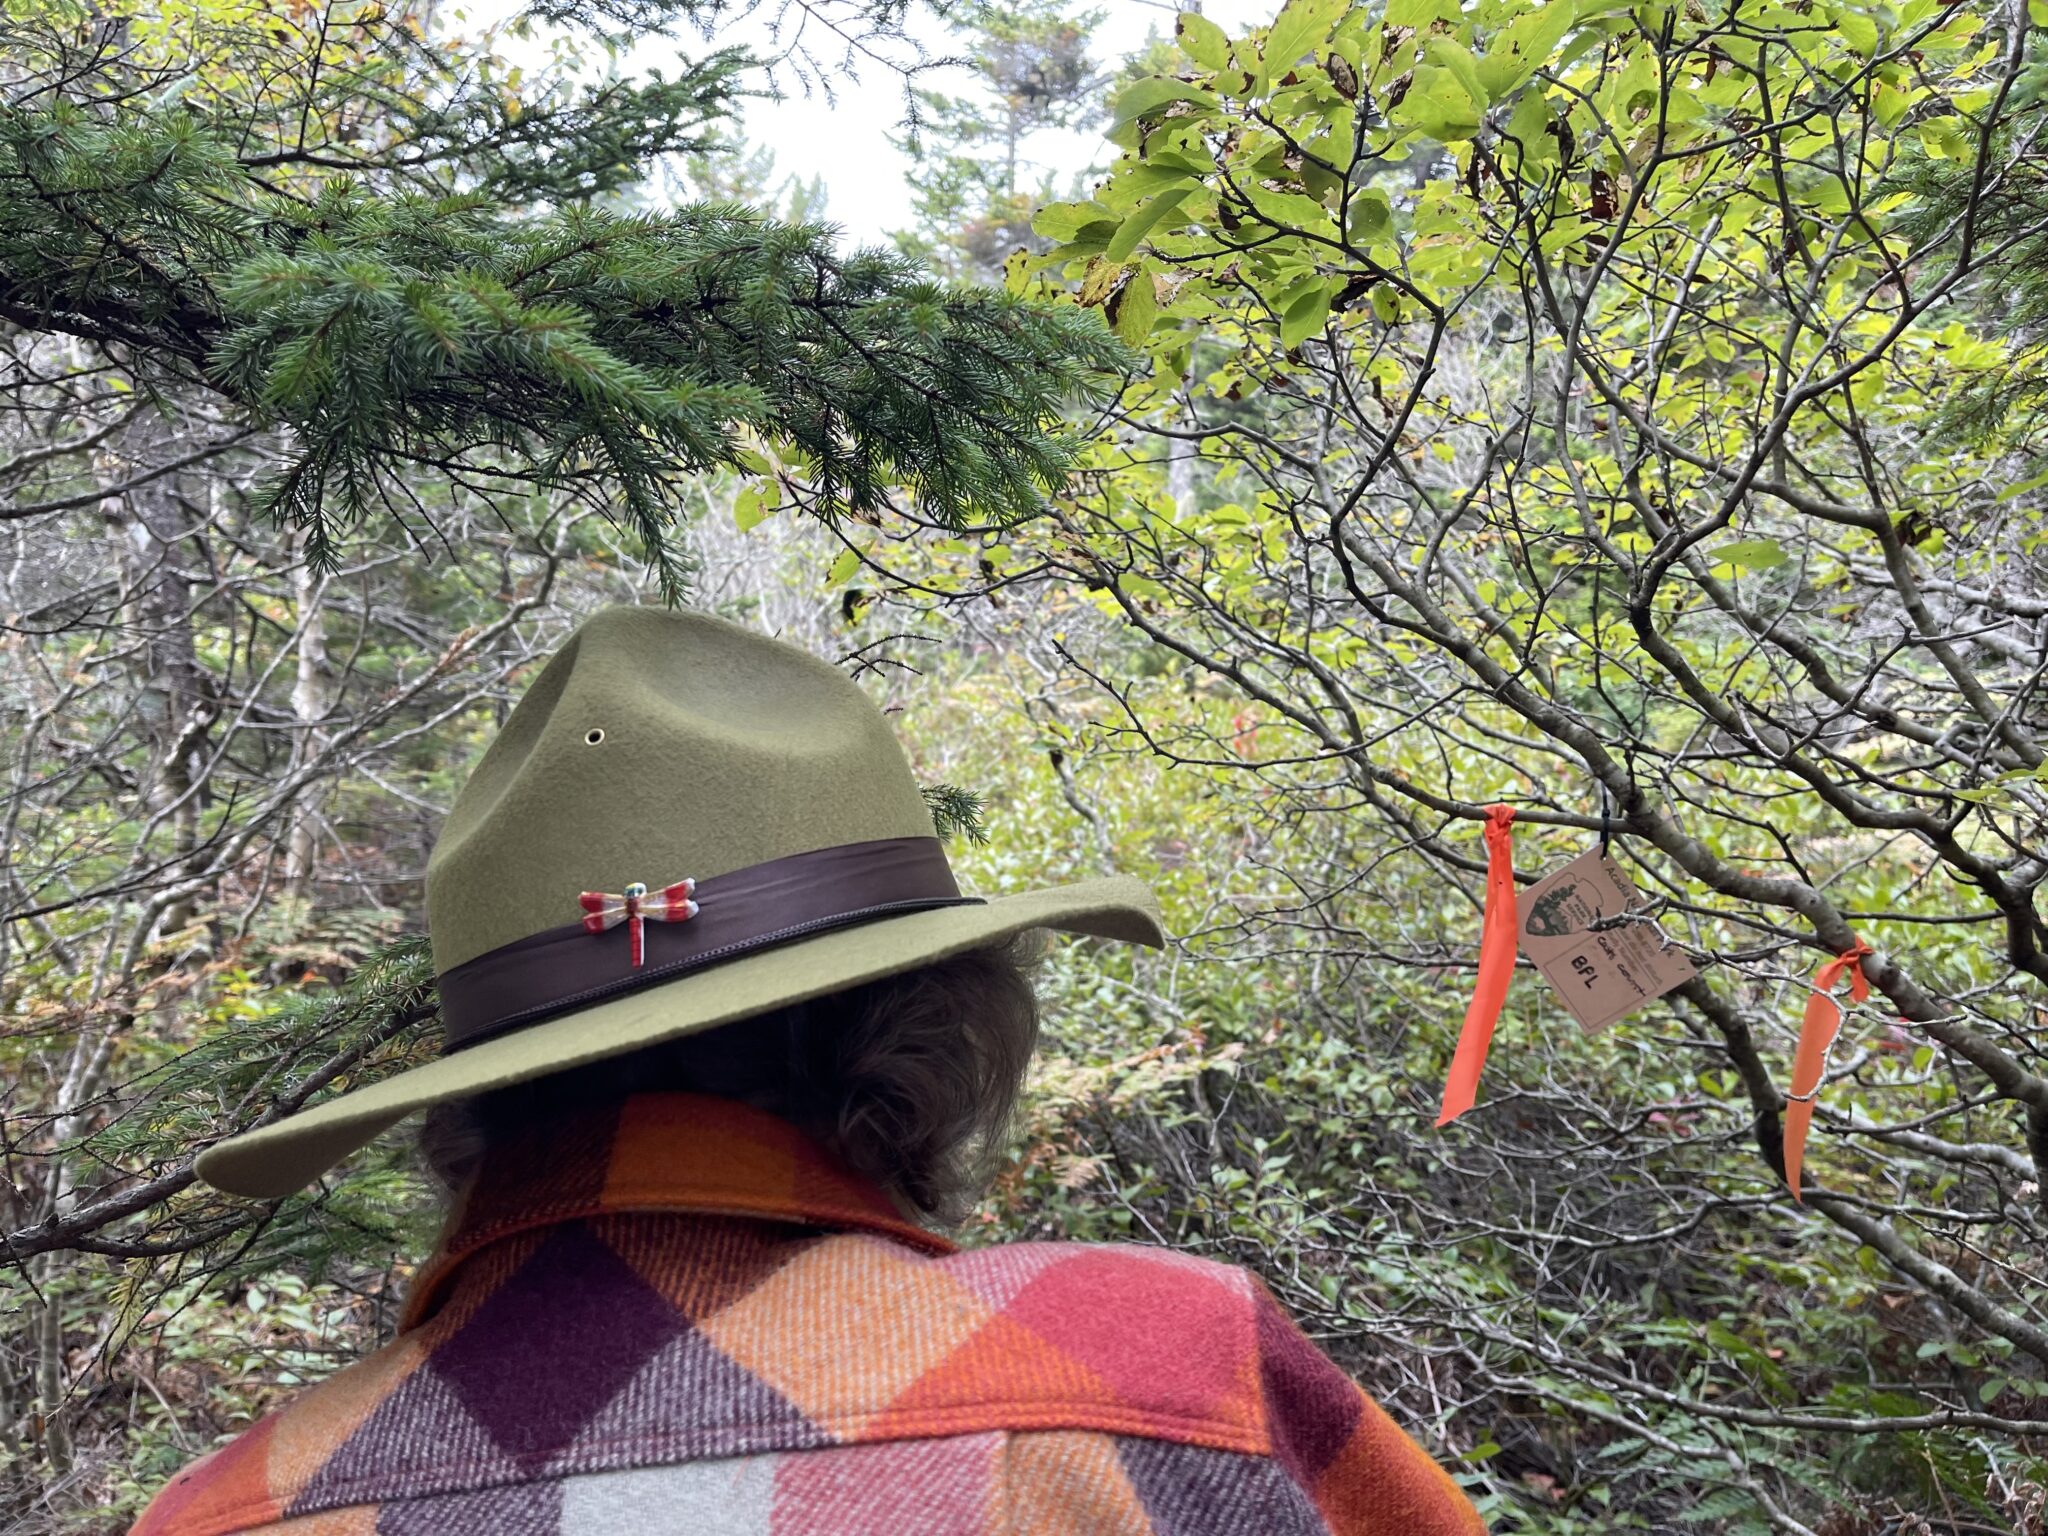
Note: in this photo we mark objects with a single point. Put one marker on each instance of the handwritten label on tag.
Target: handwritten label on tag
(1600, 973)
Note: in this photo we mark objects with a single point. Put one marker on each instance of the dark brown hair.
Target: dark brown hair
(910, 1080)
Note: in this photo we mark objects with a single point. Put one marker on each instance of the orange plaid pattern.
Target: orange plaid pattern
(682, 1315)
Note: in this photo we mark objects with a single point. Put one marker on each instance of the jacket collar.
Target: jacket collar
(659, 1153)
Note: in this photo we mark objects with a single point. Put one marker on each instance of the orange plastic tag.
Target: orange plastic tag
(1823, 1022)
(1496, 967)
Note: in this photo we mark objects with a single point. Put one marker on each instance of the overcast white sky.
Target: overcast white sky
(847, 142)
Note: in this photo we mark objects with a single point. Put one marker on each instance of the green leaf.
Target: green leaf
(1300, 26)
(1137, 181)
(1133, 307)
(1857, 30)
(1524, 46)
(1144, 97)
(1420, 13)
(1437, 106)
(1529, 127)
(1202, 40)
(843, 568)
(1194, 160)
(1456, 58)
(1289, 284)
(1089, 242)
(1063, 221)
(1752, 554)
(1372, 216)
(1139, 224)
(755, 504)
(1305, 316)
(1291, 210)
(1944, 138)
(1888, 104)
(2033, 483)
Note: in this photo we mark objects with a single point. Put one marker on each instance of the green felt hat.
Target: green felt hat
(683, 823)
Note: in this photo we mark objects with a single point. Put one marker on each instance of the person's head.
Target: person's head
(685, 820)
(910, 1080)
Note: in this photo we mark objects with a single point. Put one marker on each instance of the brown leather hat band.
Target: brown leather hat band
(749, 909)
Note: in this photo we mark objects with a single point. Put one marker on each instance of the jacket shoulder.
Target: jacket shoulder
(1115, 1277)
(252, 1480)
(1204, 1354)
(1365, 1474)
(1020, 1336)
(231, 1478)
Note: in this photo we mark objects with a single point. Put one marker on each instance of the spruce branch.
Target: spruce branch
(609, 355)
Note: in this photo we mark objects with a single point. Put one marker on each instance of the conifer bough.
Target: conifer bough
(403, 333)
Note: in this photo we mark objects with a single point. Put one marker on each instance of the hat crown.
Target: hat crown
(655, 746)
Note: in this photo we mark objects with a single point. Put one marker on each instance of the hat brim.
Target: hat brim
(275, 1160)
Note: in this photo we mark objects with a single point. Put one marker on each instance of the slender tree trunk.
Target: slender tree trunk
(152, 536)
(312, 700)
(155, 533)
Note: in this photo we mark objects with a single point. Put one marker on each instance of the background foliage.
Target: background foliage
(1629, 413)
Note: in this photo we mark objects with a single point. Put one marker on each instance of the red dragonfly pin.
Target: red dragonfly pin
(670, 904)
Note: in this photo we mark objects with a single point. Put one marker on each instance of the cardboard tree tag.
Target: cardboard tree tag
(1604, 973)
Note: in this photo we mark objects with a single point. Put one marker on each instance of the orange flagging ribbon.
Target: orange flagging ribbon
(1823, 1023)
(1496, 966)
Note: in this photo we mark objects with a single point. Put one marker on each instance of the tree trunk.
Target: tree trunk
(312, 700)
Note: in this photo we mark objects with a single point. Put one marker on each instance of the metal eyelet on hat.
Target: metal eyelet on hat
(593, 736)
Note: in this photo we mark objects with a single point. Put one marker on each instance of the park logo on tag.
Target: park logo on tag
(1600, 973)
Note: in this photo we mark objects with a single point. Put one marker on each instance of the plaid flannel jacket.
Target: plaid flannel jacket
(682, 1317)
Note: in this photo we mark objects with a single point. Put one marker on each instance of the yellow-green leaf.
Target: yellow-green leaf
(1438, 106)
(1305, 316)
(755, 504)
(1456, 58)
(1888, 104)
(1945, 138)
(1290, 210)
(1144, 97)
(1420, 13)
(1751, 554)
(1139, 224)
(1202, 40)
(1372, 216)
(1099, 281)
(1133, 308)
(1524, 46)
(1063, 221)
(1857, 30)
(1529, 127)
(1300, 26)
